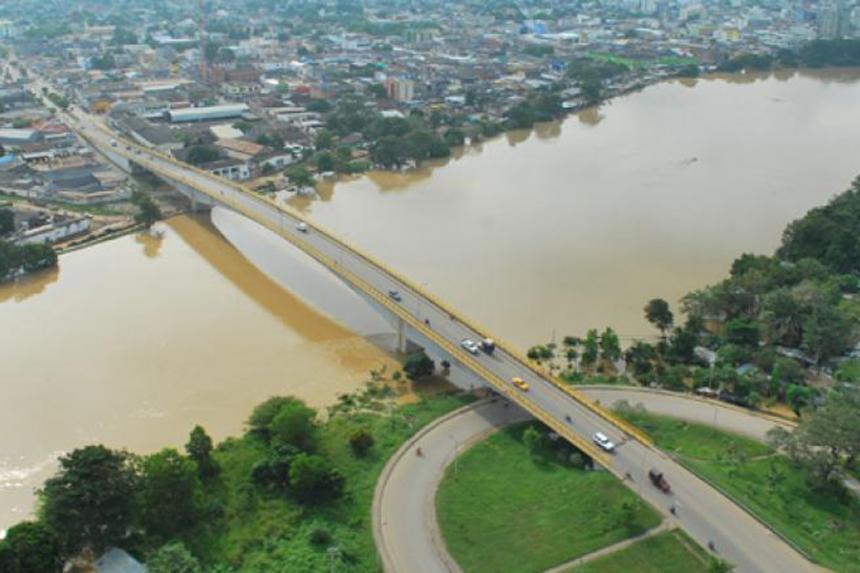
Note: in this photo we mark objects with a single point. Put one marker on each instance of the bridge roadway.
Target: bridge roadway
(738, 537)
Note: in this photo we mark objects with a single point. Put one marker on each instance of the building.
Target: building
(211, 113)
(833, 20)
(10, 137)
(399, 89)
(232, 169)
(46, 230)
(7, 29)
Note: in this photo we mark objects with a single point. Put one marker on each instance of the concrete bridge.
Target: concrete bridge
(420, 317)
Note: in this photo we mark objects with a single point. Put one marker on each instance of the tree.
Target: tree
(167, 494)
(682, 345)
(827, 443)
(300, 177)
(30, 547)
(89, 502)
(610, 347)
(200, 154)
(798, 397)
(826, 332)
(7, 221)
(148, 212)
(590, 348)
(313, 479)
(418, 365)
(533, 440)
(173, 558)
(361, 440)
(325, 161)
(742, 331)
(324, 140)
(455, 137)
(640, 356)
(658, 313)
(294, 425)
(199, 449)
(628, 515)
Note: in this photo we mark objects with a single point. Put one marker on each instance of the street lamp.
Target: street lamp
(333, 553)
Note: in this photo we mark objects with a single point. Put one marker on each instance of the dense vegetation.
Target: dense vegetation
(772, 319)
(17, 259)
(292, 493)
(820, 517)
(815, 54)
(520, 502)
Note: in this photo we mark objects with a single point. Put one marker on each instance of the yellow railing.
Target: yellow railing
(630, 430)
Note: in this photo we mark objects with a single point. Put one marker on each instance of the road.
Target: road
(710, 516)
(405, 528)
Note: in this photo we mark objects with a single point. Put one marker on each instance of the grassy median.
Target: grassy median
(504, 508)
(668, 552)
(824, 523)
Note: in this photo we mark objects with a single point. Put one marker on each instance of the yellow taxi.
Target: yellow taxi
(520, 383)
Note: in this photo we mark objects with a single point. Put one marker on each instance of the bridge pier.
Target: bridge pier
(402, 342)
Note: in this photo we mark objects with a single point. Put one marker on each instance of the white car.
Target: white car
(302, 227)
(469, 345)
(603, 442)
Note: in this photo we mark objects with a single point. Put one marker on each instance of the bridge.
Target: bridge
(429, 322)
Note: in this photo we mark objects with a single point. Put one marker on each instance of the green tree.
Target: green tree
(455, 137)
(7, 221)
(89, 502)
(742, 331)
(148, 212)
(173, 558)
(827, 443)
(30, 547)
(533, 440)
(199, 449)
(300, 177)
(640, 357)
(418, 365)
(590, 348)
(313, 479)
(200, 154)
(610, 347)
(658, 313)
(325, 161)
(294, 425)
(826, 333)
(168, 493)
(324, 140)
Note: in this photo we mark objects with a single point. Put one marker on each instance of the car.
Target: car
(302, 227)
(394, 295)
(520, 383)
(469, 345)
(603, 442)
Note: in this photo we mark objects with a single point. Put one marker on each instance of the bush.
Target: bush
(361, 440)
(313, 479)
(320, 536)
(418, 366)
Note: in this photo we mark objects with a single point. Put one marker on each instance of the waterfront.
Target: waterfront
(134, 341)
(577, 224)
(569, 226)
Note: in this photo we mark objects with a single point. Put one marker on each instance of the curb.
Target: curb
(690, 396)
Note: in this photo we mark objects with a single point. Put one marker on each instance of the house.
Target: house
(232, 169)
(210, 113)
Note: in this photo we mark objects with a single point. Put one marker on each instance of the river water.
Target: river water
(537, 233)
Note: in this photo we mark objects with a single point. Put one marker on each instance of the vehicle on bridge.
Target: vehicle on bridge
(659, 481)
(603, 441)
(394, 295)
(302, 227)
(488, 346)
(469, 345)
(520, 383)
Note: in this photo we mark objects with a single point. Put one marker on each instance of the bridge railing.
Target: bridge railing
(567, 389)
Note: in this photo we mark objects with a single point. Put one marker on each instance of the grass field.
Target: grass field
(668, 552)
(502, 510)
(824, 524)
(255, 531)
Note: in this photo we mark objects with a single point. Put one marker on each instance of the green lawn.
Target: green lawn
(252, 530)
(668, 552)
(500, 510)
(824, 524)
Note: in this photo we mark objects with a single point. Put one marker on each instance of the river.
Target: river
(577, 224)
(569, 226)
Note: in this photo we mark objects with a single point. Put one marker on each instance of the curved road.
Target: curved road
(404, 517)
